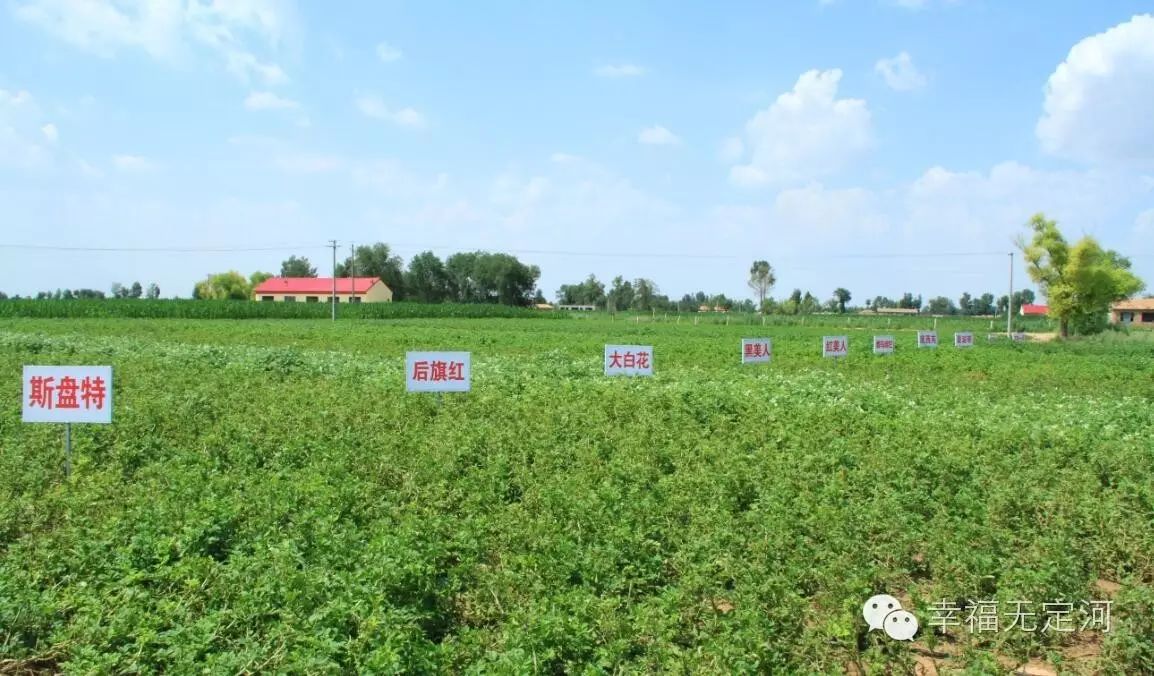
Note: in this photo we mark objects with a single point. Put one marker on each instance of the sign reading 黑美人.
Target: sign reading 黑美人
(756, 350)
(883, 344)
(834, 346)
(927, 338)
(438, 371)
(628, 360)
(963, 339)
(67, 394)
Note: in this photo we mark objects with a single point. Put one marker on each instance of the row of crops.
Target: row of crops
(268, 499)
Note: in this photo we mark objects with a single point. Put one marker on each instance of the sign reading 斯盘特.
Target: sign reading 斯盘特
(67, 394)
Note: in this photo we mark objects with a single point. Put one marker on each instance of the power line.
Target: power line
(49, 247)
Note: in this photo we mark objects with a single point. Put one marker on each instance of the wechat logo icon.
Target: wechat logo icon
(885, 612)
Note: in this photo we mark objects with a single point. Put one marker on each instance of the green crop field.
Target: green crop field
(270, 499)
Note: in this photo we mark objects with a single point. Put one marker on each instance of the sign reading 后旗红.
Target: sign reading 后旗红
(834, 346)
(883, 344)
(963, 339)
(756, 350)
(628, 360)
(927, 338)
(438, 371)
(67, 394)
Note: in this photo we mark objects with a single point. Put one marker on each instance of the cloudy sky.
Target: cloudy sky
(849, 142)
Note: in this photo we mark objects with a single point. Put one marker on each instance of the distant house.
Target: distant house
(320, 290)
(578, 308)
(893, 311)
(543, 306)
(1139, 311)
(1028, 310)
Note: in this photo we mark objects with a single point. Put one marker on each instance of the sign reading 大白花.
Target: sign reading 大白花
(67, 394)
(628, 360)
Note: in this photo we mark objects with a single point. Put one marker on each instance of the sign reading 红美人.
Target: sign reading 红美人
(927, 338)
(834, 346)
(628, 360)
(438, 371)
(67, 394)
(963, 339)
(883, 344)
(756, 350)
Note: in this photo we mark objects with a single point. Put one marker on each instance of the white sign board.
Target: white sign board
(883, 344)
(834, 346)
(756, 350)
(67, 394)
(963, 339)
(927, 338)
(1018, 337)
(628, 360)
(438, 371)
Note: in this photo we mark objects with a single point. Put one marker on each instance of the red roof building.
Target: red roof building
(320, 289)
(1028, 310)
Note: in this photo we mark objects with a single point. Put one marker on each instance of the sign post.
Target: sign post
(928, 338)
(67, 394)
(963, 339)
(438, 372)
(883, 344)
(756, 350)
(629, 360)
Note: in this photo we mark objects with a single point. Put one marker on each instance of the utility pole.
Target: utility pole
(1010, 300)
(352, 272)
(333, 244)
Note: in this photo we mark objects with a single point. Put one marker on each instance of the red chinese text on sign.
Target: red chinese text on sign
(67, 394)
(438, 371)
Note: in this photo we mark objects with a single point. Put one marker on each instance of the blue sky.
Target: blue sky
(838, 140)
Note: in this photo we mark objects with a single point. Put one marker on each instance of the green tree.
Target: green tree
(376, 260)
(809, 304)
(644, 294)
(153, 291)
(941, 306)
(229, 285)
(297, 267)
(841, 296)
(1080, 281)
(257, 278)
(426, 280)
(761, 280)
(589, 292)
(620, 296)
(136, 291)
(965, 304)
(482, 277)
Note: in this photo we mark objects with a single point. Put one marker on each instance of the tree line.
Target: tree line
(465, 277)
(118, 290)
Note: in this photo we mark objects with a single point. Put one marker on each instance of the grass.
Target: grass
(270, 499)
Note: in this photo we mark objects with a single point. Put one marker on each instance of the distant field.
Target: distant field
(269, 499)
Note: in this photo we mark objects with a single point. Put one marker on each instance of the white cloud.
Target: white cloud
(900, 73)
(374, 107)
(731, 150)
(388, 53)
(269, 101)
(308, 164)
(817, 211)
(50, 132)
(22, 132)
(620, 70)
(170, 30)
(132, 163)
(563, 158)
(658, 136)
(1100, 101)
(1144, 224)
(806, 133)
